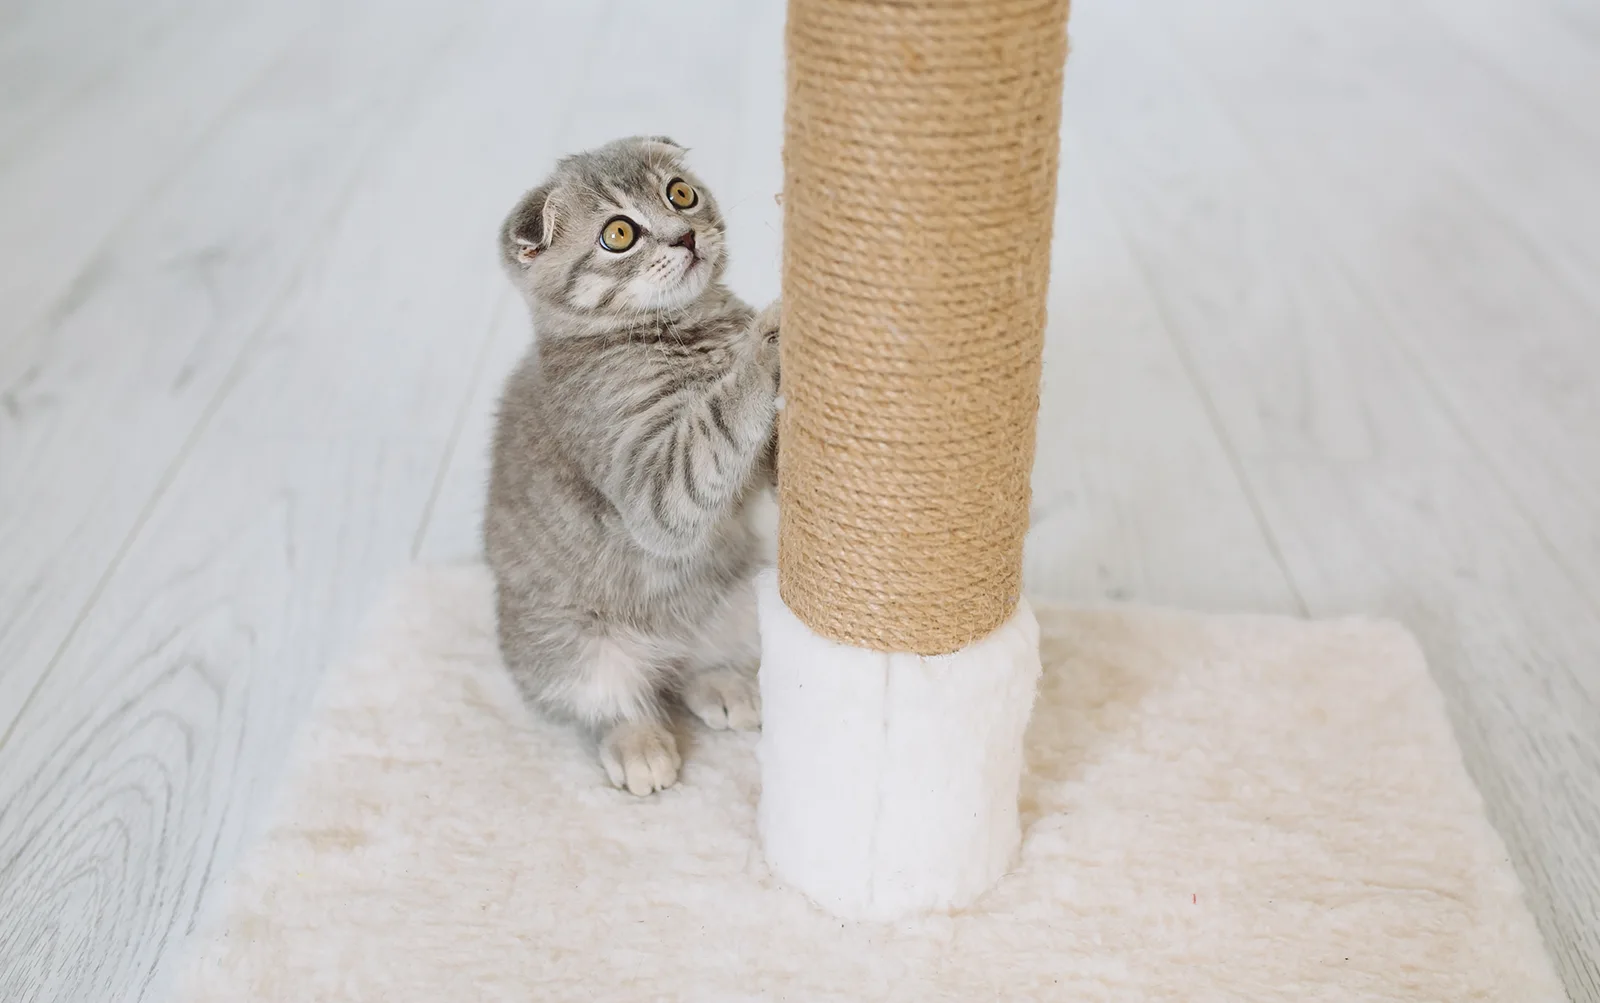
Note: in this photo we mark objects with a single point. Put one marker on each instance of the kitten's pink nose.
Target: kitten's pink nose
(687, 240)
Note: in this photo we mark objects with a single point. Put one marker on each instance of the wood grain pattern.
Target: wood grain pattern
(1496, 307)
(1391, 509)
(49, 64)
(1105, 527)
(142, 757)
(1322, 341)
(119, 142)
(1533, 48)
(218, 254)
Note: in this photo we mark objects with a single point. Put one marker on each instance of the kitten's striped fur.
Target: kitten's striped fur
(630, 443)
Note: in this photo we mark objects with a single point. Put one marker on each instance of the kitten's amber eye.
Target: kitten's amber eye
(681, 194)
(618, 234)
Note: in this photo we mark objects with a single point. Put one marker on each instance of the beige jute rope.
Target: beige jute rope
(920, 166)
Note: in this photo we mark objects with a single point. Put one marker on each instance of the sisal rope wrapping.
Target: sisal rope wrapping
(920, 166)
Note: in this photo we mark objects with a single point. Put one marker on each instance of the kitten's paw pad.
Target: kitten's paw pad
(725, 698)
(640, 758)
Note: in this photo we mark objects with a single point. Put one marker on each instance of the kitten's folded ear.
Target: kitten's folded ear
(660, 146)
(529, 229)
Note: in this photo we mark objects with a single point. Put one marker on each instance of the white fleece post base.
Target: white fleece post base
(889, 781)
(1214, 808)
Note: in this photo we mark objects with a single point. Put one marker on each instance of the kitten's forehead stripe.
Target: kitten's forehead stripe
(632, 209)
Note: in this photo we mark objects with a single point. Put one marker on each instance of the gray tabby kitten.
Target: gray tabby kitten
(631, 441)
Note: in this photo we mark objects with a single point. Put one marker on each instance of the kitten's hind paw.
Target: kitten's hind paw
(640, 757)
(724, 698)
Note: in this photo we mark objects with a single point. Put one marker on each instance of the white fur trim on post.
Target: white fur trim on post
(889, 781)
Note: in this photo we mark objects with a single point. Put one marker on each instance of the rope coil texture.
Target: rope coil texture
(921, 143)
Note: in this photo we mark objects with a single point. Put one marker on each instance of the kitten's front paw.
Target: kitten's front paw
(640, 757)
(725, 698)
(766, 327)
(768, 319)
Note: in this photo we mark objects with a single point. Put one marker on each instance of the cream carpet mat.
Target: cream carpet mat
(1217, 808)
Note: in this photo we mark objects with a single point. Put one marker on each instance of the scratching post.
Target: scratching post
(899, 658)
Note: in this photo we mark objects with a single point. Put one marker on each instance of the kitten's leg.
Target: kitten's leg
(720, 687)
(725, 697)
(617, 692)
(610, 685)
(640, 757)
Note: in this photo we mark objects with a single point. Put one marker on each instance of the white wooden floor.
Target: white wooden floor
(1325, 338)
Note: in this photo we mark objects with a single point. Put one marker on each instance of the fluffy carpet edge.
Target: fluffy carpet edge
(1214, 808)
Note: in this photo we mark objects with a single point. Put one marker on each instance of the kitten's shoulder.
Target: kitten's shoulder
(520, 393)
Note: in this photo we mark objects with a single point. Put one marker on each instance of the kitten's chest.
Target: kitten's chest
(730, 556)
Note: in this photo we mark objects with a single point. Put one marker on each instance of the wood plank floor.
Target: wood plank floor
(1324, 339)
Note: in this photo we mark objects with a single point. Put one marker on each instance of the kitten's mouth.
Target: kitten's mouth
(695, 272)
(687, 242)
